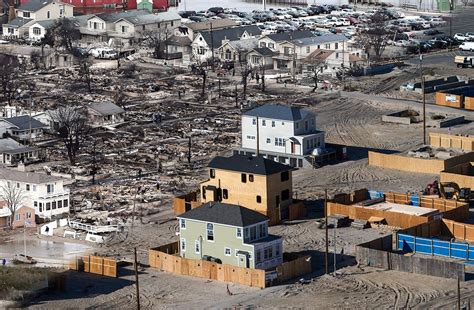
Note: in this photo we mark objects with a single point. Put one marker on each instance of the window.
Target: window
(66, 203)
(50, 188)
(34, 188)
(273, 123)
(269, 140)
(28, 215)
(17, 217)
(36, 31)
(48, 206)
(268, 253)
(35, 204)
(210, 232)
(271, 45)
(243, 178)
(54, 205)
(172, 23)
(246, 235)
(197, 247)
(11, 30)
(40, 207)
(228, 55)
(60, 204)
(124, 29)
(285, 195)
(308, 49)
(183, 245)
(212, 173)
(336, 45)
(277, 250)
(254, 121)
(250, 177)
(225, 194)
(182, 223)
(227, 252)
(264, 123)
(201, 51)
(49, 15)
(239, 233)
(327, 46)
(26, 14)
(17, 185)
(203, 192)
(263, 44)
(280, 142)
(337, 55)
(259, 199)
(253, 232)
(258, 256)
(27, 187)
(262, 230)
(285, 176)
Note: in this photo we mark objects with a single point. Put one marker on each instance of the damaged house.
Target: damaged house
(22, 128)
(105, 113)
(12, 152)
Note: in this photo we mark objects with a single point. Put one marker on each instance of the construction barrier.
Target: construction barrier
(413, 164)
(451, 141)
(224, 272)
(95, 264)
(462, 175)
(186, 202)
(435, 247)
(370, 254)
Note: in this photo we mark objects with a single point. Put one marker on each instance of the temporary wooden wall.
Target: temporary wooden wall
(293, 268)
(449, 100)
(426, 230)
(451, 141)
(413, 164)
(469, 103)
(393, 218)
(462, 174)
(105, 266)
(297, 210)
(207, 270)
(457, 230)
(179, 203)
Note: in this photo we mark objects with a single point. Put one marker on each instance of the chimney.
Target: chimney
(11, 13)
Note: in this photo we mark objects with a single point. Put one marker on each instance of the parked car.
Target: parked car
(470, 35)
(402, 43)
(216, 10)
(461, 37)
(467, 46)
(432, 32)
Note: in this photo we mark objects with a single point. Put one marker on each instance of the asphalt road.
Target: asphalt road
(439, 58)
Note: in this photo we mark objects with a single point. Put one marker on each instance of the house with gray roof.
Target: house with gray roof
(260, 56)
(105, 113)
(207, 41)
(229, 234)
(22, 128)
(283, 133)
(38, 30)
(33, 11)
(13, 152)
(236, 51)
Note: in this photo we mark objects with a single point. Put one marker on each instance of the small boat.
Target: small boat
(24, 259)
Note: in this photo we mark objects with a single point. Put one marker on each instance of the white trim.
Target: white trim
(225, 251)
(198, 243)
(220, 223)
(183, 242)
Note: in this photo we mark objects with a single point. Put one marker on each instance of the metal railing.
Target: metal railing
(94, 228)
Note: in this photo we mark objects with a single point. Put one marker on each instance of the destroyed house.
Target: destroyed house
(105, 113)
(229, 234)
(42, 192)
(22, 127)
(281, 133)
(253, 182)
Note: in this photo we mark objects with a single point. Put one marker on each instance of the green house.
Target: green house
(229, 234)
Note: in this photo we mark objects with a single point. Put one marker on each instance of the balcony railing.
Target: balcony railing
(55, 194)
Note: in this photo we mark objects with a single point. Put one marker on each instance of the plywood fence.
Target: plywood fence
(462, 174)
(451, 141)
(460, 231)
(207, 270)
(393, 218)
(294, 268)
(425, 230)
(105, 266)
(449, 100)
(413, 164)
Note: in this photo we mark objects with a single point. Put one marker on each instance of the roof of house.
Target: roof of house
(46, 24)
(179, 40)
(80, 20)
(318, 55)
(8, 145)
(115, 16)
(248, 164)
(231, 34)
(223, 213)
(216, 24)
(320, 40)
(244, 45)
(146, 19)
(264, 51)
(278, 111)
(288, 36)
(26, 177)
(23, 122)
(34, 5)
(106, 108)
(19, 22)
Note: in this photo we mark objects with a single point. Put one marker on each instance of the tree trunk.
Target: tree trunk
(203, 83)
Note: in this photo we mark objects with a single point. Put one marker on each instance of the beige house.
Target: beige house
(105, 113)
(253, 182)
(34, 11)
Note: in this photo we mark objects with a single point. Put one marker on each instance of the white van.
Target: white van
(104, 53)
(467, 46)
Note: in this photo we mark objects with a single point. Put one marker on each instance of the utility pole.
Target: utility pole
(343, 69)
(264, 5)
(335, 255)
(236, 97)
(423, 96)
(219, 87)
(212, 47)
(459, 295)
(136, 279)
(326, 260)
(451, 7)
(258, 147)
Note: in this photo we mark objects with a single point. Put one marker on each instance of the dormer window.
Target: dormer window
(27, 14)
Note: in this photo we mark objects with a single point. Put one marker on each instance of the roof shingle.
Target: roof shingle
(248, 164)
(279, 112)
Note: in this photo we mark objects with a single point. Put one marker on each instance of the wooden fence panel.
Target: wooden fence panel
(221, 273)
(87, 264)
(110, 267)
(97, 265)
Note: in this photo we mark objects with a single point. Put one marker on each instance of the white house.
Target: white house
(105, 113)
(22, 127)
(285, 134)
(33, 11)
(12, 152)
(44, 193)
(38, 30)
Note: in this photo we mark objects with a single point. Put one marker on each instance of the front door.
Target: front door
(293, 148)
(243, 261)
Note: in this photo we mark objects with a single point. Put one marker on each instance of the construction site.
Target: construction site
(387, 225)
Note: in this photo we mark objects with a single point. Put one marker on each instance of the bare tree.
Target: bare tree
(48, 40)
(36, 59)
(72, 129)
(120, 98)
(10, 69)
(200, 68)
(157, 41)
(375, 37)
(85, 72)
(316, 68)
(13, 195)
(66, 33)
